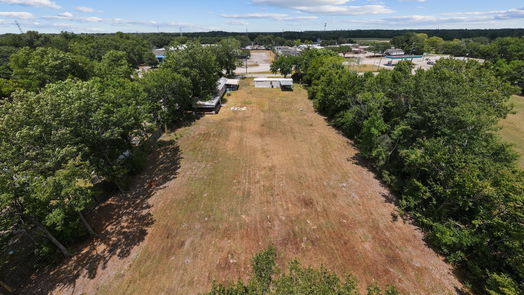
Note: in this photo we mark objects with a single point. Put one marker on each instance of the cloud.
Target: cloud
(237, 23)
(16, 14)
(71, 17)
(295, 3)
(346, 10)
(66, 14)
(85, 9)
(92, 19)
(330, 7)
(271, 16)
(473, 17)
(33, 3)
(464, 17)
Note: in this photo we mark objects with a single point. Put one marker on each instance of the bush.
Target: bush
(298, 280)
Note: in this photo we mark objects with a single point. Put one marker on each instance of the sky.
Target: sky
(92, 16)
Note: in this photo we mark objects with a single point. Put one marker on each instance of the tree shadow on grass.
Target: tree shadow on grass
(121, 223)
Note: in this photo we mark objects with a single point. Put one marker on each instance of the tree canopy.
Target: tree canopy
(431, 136)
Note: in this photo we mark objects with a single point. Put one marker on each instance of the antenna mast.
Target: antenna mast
(19, 28)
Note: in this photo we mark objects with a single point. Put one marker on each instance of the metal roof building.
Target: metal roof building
(282, 83)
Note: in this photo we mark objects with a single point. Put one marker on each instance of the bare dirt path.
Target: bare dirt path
(277, 174)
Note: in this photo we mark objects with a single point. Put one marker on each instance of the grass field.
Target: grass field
(371, 39)
(228, 186)
(363, 68)
(513, 127)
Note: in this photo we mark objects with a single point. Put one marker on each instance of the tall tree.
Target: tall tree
(283, 65)
(169, 93)
(227, 52)
(199, 65)
(34, 68)
(114, 64)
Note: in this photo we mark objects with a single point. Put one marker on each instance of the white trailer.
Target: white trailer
(272, 82)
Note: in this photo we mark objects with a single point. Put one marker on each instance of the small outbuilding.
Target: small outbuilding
(232, 84)
(282, 83)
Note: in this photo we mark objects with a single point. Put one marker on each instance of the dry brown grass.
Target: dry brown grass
(363, 68)
(273, 174)
(513, 127)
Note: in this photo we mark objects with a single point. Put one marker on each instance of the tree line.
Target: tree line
(72, 118)
(431, 136)
(286, 38)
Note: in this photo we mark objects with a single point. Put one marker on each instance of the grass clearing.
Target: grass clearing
(363, 68)
(278, 174)
(513, 127)
(360, 40)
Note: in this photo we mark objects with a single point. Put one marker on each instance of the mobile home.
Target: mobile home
(282, 83)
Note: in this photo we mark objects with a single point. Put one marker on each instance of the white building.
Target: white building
(394, 52)
(282, 83)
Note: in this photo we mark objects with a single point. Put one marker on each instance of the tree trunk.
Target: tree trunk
(6, 287)
(86, 224)
(59, 245)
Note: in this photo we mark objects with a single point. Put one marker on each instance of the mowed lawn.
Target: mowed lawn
(274, 173)
(513, 127)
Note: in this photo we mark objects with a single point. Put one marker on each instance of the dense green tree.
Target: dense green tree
(52, 142)
(6, 87)
(266, 279)
(435, 44)
(114, 64)
(411, 43)
(198, 64)
(284, 65)
(307, 57)
(227, 52)
(34, 68)
(5, 53)
(95, 47)
(437, 149)
(169, 93)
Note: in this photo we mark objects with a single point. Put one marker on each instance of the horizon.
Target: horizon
(264, 16)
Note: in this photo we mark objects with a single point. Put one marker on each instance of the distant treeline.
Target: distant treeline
(278, 38)
(162, 39)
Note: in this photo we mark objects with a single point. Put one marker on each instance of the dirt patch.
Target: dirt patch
(275, 173)
(260, 61)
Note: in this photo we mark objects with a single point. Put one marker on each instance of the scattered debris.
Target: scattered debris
(239, 108)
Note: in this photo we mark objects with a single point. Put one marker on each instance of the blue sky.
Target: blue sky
(255, 15)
